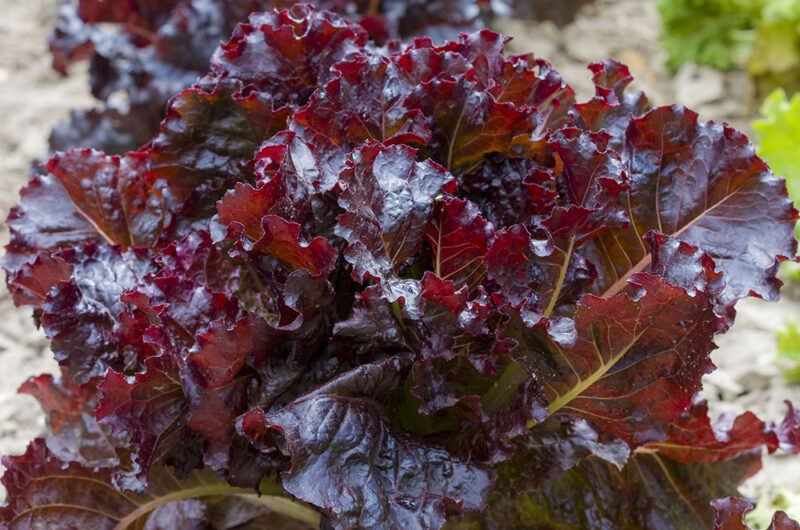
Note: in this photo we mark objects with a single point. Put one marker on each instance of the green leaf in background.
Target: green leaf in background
(708, 32)
(762, 36)
(778, 139)
(774, 60)
(789, 350)
(761, 516)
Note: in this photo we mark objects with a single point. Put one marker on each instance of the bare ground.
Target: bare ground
(33, 98)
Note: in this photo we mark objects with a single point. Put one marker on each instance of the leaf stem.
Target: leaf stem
(273, 501)
(397, 311)
(622, 281)
(562, 274)
(514, 374)
(505, 388)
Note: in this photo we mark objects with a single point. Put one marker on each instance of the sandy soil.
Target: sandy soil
(33, 98)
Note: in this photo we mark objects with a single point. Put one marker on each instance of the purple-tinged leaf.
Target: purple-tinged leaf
(612, 108)
(48, 493)
(459, 238)
(287, 53)
(620, 355)
(788, 431)
(208, 138)
(44, 219)
(388, 199)
(73, 434)
(729, 513)
(692, 438)
(386, 477)
(31, 284)
(82, 317)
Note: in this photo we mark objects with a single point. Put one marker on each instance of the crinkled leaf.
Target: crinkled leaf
(788, 431)
(666, 484)
(73, 434)
(82, 317)
(387, 477)
(652, 491)
(148, 408)
(365, 102)
(47, 493)
(619, 354)
(692, 438)
(31, 284)
(287, 53)
(98, 186)
(285, 187)
(729, 513)
(528, 81)
(388, 199)
(44, 219)
(282, 240)
(459, 237)
(509, 191)
(613, 107)
(110, 128)
(209, 136)
(468, 123)
(701, 183)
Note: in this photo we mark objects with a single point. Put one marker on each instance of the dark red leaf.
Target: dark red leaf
(509, 191)
(44, 219)
(459, 238)
(619, 354)
(82, 317)
(287, 53)
(700, 183)
(730, 513)
(388, 199)
(364, 101)
(650, 492)
(73, 434)
(282, 240)
(208, 137)
(781, 521)
(692, 438)
(467, 123)
(386, 477)
(511, 263)
(94, 183)
(528, 81)
(285, 186)
(48, 493)
(31, 284)
(612, 108)
(788, 431)
(148, 408)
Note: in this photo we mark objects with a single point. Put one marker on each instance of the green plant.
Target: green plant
(708, 32)
(762, 36)
(788, 339)
(785, 500)
(778, 138)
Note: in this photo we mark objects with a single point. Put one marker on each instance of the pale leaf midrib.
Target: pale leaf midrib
(585, 383)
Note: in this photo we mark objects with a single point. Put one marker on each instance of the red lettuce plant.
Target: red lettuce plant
(141, 52)
(402, 287)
